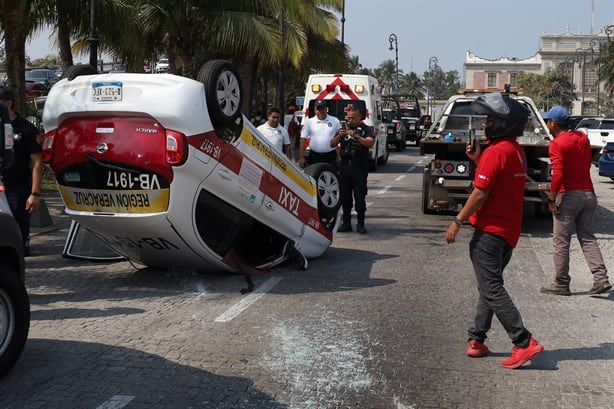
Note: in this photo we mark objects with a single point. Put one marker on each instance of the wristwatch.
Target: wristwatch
(458, 221)
(37, 194)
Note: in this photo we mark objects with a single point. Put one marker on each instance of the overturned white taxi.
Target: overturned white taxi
(166, 171)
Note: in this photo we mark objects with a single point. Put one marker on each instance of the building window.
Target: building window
(513, 79)
(492, 80)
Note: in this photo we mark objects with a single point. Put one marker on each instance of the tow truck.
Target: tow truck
(448, 178)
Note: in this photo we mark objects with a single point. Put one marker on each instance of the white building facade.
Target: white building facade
(576, 55)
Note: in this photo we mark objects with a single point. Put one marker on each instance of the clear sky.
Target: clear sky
(446, 29)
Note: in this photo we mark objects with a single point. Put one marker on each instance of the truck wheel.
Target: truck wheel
(542, 210)
(426, 183)
(14, 317)
(384, 158)
(222, 92)
(78, 70)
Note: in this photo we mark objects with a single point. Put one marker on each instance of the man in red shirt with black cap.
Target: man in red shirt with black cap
(572, 202)
(494, 209)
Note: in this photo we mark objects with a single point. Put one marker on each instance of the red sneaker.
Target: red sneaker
(521, 355)
(476, 349)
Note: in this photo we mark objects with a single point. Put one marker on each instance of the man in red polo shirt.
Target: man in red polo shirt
(572, 202)
(494, 209)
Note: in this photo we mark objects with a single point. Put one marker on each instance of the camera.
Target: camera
(349, 145)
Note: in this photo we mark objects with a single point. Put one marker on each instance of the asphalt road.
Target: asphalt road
(379, 321)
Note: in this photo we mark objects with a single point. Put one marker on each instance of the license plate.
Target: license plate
(107, 91)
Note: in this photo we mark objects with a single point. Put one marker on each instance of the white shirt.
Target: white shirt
(320, 132)
(277, 136)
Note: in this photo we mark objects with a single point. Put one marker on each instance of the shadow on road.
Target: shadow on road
(69, 374)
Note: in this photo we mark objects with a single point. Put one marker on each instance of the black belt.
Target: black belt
(352, 162)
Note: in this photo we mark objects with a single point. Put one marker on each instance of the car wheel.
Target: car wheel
(14, 317)
(384, 159)
(327, 185)
(222, 92)
(78, 70)
(328, 193)
(373, 163)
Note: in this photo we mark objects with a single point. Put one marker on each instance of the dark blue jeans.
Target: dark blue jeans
(17, 197)
(490, 255)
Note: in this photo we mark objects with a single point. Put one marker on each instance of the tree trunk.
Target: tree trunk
(64, 42)
(15, 48)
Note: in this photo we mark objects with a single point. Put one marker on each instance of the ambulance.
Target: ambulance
(345, 91)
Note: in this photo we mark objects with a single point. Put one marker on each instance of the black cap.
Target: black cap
(320, 103)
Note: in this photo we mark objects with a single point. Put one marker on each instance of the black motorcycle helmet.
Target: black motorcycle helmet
(509, 116)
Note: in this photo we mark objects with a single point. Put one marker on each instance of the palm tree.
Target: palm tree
(386, 75)
(411, 84)
(606, 62)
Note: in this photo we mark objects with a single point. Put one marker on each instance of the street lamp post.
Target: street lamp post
(597, 42)
(393, 39)
(581, 53)
(432, 64)
(93, 39)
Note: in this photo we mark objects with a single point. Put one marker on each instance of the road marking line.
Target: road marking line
(242, 305)
(384, 190)
(116, 402)
(411, 169)
(402, 176)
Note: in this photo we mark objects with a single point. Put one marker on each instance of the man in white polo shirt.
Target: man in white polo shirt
(275, 133)
(319, 129)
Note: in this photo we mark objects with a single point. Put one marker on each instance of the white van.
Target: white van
(344, 91)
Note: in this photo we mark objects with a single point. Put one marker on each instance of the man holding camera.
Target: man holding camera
(355, 143)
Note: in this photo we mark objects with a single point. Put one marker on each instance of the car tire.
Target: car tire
(14, 317)
(327, 193)
(222, 92)
(78, 70)
(372, 164)
(327, 186)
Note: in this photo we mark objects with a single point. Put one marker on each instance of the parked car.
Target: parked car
(167, 172)
(42, 76)
(606, 161)
(118, 68)
(162, 65)
(35, 90)
(599, 132)
(14, 303)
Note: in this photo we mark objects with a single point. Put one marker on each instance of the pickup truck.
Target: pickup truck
(391, 121)
(14, 303)
(402, 115)
(448, 178)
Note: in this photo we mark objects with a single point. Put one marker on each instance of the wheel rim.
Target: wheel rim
(228, 93)
(328, 189)
(7, 321)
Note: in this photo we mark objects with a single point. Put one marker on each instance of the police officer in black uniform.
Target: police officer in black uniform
(355, 143)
